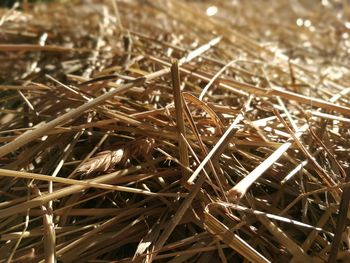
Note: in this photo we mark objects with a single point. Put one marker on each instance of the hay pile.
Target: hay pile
(175, 131)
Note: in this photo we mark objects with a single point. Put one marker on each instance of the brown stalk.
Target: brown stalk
(201, 145)
(321, 172)
(49, 231)
(33, 47)
(222, 142)
(178, 101)
(239, 190)
(218, 229)
(287, 242)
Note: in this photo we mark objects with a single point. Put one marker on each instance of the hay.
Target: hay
(174, 131)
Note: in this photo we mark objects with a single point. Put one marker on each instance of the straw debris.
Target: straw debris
(174, 131)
